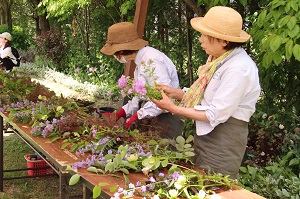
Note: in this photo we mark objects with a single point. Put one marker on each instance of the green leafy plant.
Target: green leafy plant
(277, 180)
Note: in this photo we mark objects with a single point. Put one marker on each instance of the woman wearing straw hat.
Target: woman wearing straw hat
(124, 44)
(223, 98)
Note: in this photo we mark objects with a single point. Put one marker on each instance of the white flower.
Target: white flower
(201, 194)
(155, 197)
(215, 196)
(173, 193)
(180, 182)
(281, 126)
(264, 116)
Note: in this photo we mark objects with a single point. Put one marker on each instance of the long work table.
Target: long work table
(59, 159)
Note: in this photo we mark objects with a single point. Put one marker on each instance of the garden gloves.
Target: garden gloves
(131, 122)
(120, 113)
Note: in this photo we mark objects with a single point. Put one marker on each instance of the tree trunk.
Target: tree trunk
(189, 46)
(5, 13)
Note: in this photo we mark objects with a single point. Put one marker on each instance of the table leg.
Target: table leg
(87, 193)
(1, 154)
(63, 186)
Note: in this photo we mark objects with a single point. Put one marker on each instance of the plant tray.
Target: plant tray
(37, 164)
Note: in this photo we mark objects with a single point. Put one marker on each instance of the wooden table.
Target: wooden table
(60, 159)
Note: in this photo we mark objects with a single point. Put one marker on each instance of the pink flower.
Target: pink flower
(92, 69)
(122, 82)
(138, 87)
(77, 70)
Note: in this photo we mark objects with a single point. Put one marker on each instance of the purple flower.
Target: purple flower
(143, 188)
(77, 70)
(151, 179)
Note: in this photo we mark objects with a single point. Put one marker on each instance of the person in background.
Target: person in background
(125, 45)
(7, 59)
(223, 98)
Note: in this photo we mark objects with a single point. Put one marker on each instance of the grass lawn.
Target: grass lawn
(28, 188)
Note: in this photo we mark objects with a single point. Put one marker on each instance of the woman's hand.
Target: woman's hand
(165, 103)
(171, 92)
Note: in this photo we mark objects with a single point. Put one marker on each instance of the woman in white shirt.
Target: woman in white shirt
(223, 98)
(125, 45)
(7, 59)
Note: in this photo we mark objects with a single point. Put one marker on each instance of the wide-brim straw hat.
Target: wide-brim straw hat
(122, 36)
(223, 23)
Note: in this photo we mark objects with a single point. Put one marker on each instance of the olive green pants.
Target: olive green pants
(222, 150)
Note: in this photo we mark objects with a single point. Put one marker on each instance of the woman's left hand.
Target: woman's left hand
(165, 103)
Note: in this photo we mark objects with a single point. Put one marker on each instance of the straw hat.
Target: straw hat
(122, 36)
(6, 36)
(223, 23)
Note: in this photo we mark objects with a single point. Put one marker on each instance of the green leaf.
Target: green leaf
(261, 18)
(69, 168)
(180, 140)
(277, 58)
(243, 169)
(152, 142)
(293, 33)
(189, 153)
(284, 21)
(73, 147)
(275, 43)
(127, 164)
(124, 170)
(189, 139)
(295, 5)
(92, 169)
(289, 49)
(96, 191)
(164, 163)
(292, 22)
(126, 179)
(296, 52)
(243, 2)
(113, 189)
(286, 193)
(102, 184)
(224, 2)
(109, 157)
(74, 179)
(109, 167)
(294, 161)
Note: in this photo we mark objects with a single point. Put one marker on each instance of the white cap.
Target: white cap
(6, 36)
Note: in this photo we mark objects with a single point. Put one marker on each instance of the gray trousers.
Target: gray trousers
(222, 150)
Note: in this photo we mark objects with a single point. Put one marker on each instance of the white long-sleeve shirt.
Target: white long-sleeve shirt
(164, 73)
(232, 92)
(6, 52)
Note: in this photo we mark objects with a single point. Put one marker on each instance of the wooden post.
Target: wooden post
(139, 22)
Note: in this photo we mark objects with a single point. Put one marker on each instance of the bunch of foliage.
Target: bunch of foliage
(276, 50)
(52, 45)
(277, 180)
(269, 138)
(167, 173)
